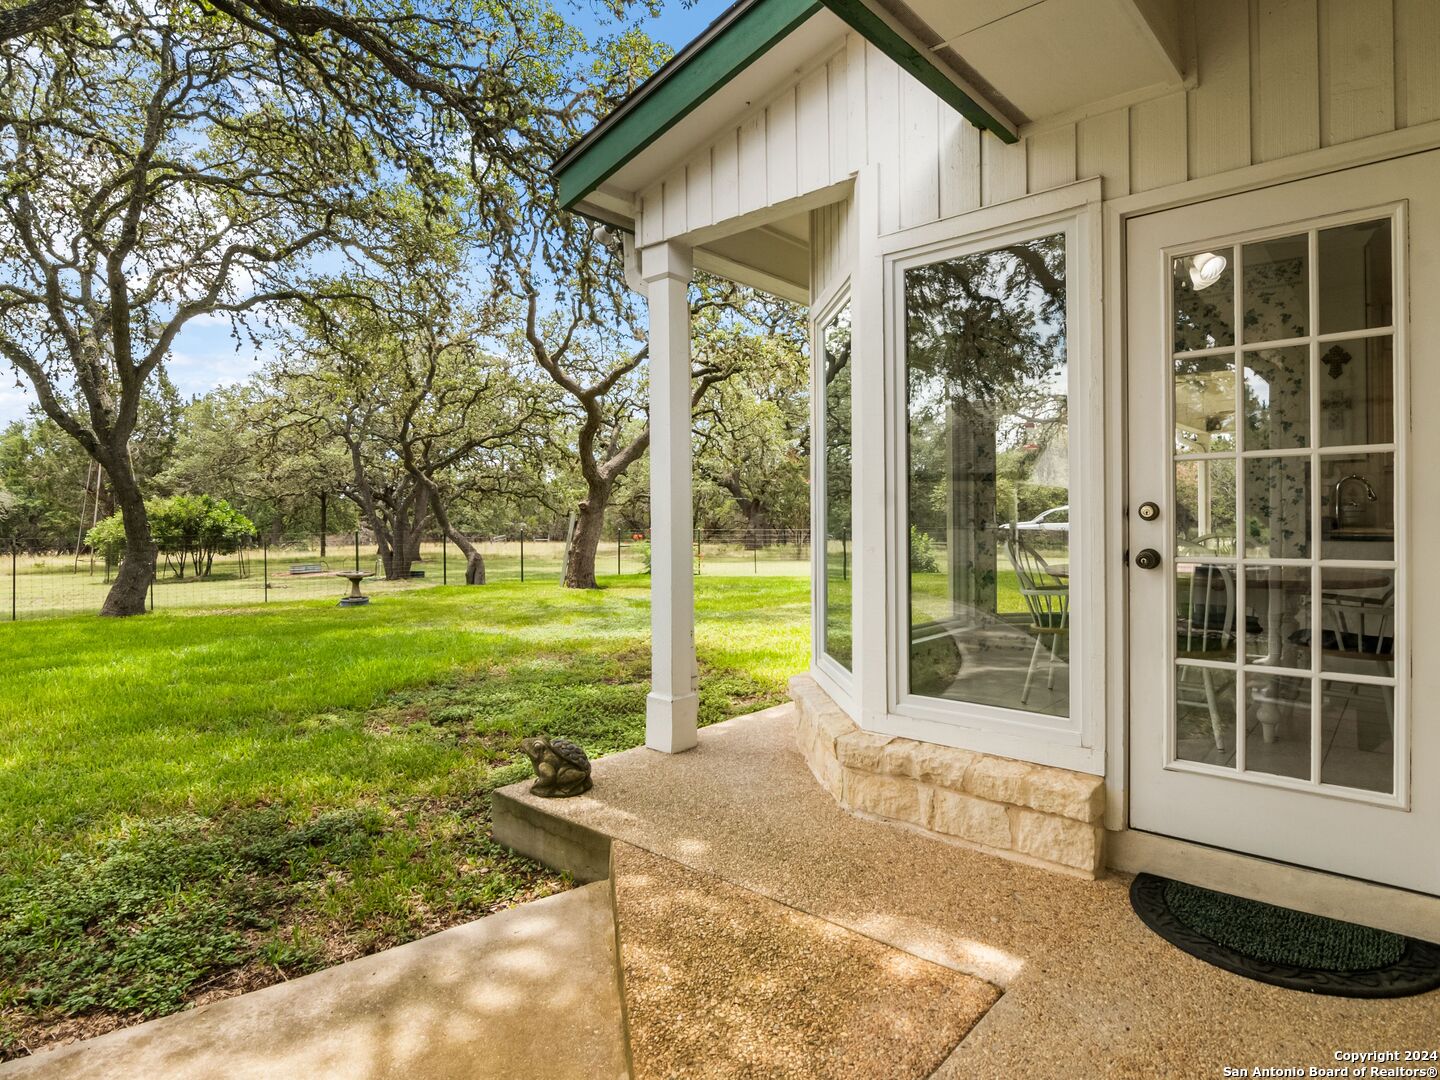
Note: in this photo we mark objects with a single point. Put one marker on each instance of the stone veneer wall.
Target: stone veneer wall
(1011, 808)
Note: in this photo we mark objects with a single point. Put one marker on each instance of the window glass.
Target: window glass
(989, 478)
(837, 635)
(1204, 316)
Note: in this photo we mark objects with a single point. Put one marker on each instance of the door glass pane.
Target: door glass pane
(1205, 612)
(1277, 289)
(1357, 506)
(1357, 392)
(1277, 725)
(989, 477)
(1355, 273)
(1277, 507)
(1284, 455)
(1358, 725)
(1277, 398)
(1357, 618)
(1205, 506)
(1277, 616)
(1205, 715)
(837, 631)
(1204, 300)
(1204, 404)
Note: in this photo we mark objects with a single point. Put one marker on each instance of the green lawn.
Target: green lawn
(199, 803)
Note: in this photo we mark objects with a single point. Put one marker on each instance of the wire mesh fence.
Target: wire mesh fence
(44, 582)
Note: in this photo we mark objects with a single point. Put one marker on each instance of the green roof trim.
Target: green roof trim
(739, 37)
(735, 41)
(864, 21)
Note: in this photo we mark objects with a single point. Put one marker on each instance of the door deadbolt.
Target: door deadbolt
(1147, 559)
(1148, 511)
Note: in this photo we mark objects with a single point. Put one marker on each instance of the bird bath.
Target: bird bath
(356, 597)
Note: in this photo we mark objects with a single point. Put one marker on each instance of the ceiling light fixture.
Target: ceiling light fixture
(1206, 268)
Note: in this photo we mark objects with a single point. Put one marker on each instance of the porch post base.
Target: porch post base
(671, 722)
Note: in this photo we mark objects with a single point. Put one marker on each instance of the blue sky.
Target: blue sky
(205, 354)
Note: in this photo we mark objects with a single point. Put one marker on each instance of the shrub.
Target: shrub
(189, 528)
(922, 553)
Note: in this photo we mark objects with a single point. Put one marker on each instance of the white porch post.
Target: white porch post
(870, 497)
(672, 707)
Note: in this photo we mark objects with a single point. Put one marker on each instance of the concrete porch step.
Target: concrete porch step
(531, 991)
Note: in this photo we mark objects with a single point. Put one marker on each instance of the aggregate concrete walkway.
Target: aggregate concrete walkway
(724, 983)
(531, 991)
(1088, 990)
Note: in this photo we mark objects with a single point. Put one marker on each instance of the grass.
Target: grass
(198, 804)
(49, 585)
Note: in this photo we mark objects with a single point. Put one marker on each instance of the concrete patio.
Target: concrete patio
(1085, 988)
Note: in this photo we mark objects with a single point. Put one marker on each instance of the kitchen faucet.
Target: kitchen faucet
(1340, 490)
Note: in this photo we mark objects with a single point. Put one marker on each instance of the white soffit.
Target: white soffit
(1052, 57)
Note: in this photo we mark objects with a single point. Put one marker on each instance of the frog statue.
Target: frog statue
(561, 767)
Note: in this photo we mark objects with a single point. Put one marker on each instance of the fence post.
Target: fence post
(619, 539)
(755, 554)
(844, 557)
(522, 552)
(14, 577)
(357, 551)
(265, 566)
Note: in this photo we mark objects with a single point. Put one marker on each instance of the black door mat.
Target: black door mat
(1282, 947)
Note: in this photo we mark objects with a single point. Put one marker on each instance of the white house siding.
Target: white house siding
(793, 144)
(832, 238)
(1274, 78)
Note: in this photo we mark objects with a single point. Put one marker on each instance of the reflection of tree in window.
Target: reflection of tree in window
(836, 373)
(988, 428)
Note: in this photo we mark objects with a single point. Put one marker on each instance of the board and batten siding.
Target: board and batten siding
(832, 240)
(1274, 78)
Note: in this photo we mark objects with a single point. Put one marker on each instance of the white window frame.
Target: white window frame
(1076, 741)
(834, 679)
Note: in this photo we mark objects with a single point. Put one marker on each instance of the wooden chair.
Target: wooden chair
(1047, 598)
(1359, 630)
(1206, 631)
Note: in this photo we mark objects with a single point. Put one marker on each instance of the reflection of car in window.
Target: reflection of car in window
(1054, 520)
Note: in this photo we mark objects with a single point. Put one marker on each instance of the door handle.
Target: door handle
(1147, 559)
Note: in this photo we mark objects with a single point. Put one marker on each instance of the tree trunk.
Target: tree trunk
(395, 556)
(474, 561)
(398, 532)
(137, 568)
(585, 544)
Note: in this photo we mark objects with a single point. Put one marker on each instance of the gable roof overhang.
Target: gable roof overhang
(731, 53)
(1010, 67)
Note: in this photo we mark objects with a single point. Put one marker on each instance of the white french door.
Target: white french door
(1284, 522)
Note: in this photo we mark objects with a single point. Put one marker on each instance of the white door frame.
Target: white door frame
(1207, 803)
(1117, 214)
